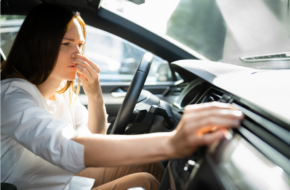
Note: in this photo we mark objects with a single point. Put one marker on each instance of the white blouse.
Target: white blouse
(36, 150)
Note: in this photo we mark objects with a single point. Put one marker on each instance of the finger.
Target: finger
(216, 112)
(208, 106)
(209, 138)
(215, 123)
(200, 125)
(84, 64)
(81, 77)
(84, 72)
(94, 74)
(92, 64)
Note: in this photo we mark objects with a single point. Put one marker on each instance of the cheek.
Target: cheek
(64, 54)
(63, 59)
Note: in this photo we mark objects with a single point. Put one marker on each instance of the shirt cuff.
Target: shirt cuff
(75, 157)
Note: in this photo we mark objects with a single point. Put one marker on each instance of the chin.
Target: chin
(70, 77)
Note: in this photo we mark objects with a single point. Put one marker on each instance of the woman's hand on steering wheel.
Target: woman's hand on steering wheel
(88, 73)
(203, 124)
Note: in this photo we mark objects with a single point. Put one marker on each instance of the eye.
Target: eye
(81, 45)
(65, 44)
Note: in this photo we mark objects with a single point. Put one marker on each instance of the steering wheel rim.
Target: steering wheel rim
(132, 95)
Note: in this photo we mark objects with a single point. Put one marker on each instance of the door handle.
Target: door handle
(118, 93)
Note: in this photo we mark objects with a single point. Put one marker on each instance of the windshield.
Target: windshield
(247, 33)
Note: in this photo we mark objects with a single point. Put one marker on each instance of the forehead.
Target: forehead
(75, 31)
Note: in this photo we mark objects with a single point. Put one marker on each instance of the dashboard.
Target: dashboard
(256, 155)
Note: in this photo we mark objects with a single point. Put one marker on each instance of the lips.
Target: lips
(71, 66)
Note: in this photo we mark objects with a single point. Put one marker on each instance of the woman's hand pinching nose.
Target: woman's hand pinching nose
(88, 73)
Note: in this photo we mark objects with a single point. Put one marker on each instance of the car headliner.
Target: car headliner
(24, 6)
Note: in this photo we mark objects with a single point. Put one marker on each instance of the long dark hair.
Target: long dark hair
(35, 50)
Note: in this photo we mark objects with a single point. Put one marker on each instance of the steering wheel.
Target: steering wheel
(132, 95)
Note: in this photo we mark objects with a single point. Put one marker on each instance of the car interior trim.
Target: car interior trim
(232, 168)
(270, 126)
(266, 149)
(225, 182)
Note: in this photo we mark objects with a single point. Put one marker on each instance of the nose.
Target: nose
(77, 50)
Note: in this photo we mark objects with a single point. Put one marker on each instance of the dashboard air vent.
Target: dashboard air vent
(212, 96)
(284, 56)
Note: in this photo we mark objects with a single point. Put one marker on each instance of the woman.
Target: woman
(47, 136)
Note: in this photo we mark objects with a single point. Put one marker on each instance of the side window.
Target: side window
(10, 25)
(118, 59)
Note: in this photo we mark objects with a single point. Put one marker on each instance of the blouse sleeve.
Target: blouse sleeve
(38, 131)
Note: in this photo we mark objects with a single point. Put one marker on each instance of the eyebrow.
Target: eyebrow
(69, 39)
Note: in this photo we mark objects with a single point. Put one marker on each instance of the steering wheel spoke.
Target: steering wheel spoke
(132, 95)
